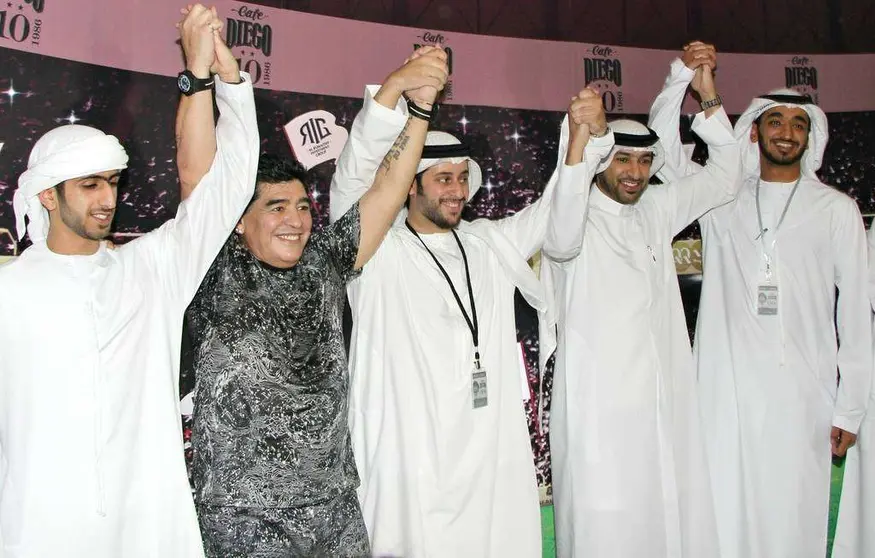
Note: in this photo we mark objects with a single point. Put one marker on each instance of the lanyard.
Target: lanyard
(763, 230)
(783, 213)
(472, 320)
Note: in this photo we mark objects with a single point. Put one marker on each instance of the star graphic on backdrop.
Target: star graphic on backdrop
(464, 122)
(20, 7)
(11, 92)
(489, 185)
(315, 195)
(8, 4)
(516, 137)
(72, 118)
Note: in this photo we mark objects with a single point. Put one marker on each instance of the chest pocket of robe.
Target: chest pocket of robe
(115, 301)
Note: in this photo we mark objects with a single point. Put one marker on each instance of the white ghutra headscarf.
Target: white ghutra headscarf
(441, 147)
(818, 134)
(70, 151)
(630, 135)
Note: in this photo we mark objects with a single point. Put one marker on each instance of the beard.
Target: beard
(779, 159)
(613, 190)
(432, 212)
(76, 223)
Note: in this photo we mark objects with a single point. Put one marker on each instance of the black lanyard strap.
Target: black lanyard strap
(472, 320)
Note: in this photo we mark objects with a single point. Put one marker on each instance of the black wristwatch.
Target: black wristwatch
(189, 84)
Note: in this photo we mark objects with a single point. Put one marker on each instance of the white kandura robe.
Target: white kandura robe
(439, 478)
(767, 384)
(855, 527)
(90, 438)
(629, 472)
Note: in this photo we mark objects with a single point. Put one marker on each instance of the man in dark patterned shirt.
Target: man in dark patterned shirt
(273, 468)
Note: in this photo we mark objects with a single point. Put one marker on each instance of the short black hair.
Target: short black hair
(418, 178)
(275, 169)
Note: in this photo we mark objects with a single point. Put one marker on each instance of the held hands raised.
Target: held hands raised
(205, 51)
(702, 58)
(586, 117)
(422, 76)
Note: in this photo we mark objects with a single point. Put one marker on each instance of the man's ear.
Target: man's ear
(49, 199)
(240, 228)
(754, 133)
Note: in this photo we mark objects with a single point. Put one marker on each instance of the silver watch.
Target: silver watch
(715, 102)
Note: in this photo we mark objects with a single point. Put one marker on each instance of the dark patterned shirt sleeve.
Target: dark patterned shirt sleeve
(341, 242)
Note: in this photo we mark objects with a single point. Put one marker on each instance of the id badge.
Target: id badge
(767, 300)
(478, 388)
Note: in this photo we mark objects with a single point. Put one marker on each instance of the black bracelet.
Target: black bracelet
(419, 112)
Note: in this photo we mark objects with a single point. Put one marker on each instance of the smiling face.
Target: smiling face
(782, 135)
(81, 211)
(276, 226)
(440, 194)
(627, 177)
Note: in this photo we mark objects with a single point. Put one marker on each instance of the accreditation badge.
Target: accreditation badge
(767, 300)
(478, 388)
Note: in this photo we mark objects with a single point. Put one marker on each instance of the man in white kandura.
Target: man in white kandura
(854, 535)
(629, 472)
(767, 339)
(90, 439)
(436, 399)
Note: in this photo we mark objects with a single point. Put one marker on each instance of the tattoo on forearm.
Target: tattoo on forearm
(397, 148)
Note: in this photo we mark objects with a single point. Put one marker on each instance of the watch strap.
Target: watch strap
(715, 102)
(189, 84)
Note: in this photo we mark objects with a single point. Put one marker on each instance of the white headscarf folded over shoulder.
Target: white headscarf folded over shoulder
(818, 133)
(441, 147)
(630, 135)
(63, 153)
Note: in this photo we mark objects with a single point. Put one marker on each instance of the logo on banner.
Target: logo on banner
(801, 74)
(604, 72)
(248, 31)
(316, 137)
(430, 38)
(20, 24)
(687, 256)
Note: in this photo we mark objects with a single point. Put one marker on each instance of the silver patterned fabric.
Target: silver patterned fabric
(235, 532)
(270, 418)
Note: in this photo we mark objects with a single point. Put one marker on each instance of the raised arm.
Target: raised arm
(585, 141)
(666, 109)
(195, 126)
(691, 196)
(182, 250)
(374, 130)
(384, 199)
(853, 313)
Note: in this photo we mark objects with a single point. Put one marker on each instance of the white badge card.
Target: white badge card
(767, 300)
(478, 388)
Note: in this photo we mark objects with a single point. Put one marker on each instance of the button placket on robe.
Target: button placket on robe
(83, 271)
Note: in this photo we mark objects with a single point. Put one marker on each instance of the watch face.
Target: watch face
(184, 83)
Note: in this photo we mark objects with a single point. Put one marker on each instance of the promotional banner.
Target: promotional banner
(112, 65)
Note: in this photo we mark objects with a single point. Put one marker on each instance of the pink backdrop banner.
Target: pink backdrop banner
(293, 51)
